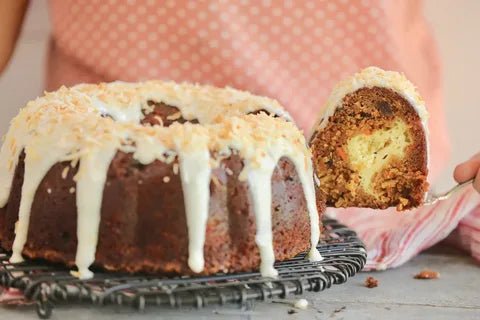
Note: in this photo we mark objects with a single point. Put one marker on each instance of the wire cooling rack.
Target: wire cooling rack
(50, 285)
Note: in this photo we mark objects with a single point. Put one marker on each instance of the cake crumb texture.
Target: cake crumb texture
(372, 152)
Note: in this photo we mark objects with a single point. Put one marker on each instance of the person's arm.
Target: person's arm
(11, 18)
(468, 170)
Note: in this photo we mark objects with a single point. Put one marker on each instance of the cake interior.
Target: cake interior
(372, 152)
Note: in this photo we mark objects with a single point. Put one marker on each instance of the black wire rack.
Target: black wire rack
(49, 285)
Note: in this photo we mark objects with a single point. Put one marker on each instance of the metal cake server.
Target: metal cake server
(433, 198)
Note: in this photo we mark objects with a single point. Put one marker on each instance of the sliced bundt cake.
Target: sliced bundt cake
(370, 145)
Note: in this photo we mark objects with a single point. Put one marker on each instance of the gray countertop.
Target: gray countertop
(455, 295)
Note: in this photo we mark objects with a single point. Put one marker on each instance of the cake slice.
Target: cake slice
(370, 145)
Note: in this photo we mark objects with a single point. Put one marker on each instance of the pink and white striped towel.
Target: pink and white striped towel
(393, 238)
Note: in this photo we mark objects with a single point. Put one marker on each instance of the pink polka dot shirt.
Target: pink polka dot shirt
(294, 51)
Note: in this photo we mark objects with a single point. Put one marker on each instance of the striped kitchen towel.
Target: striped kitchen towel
(393, 238)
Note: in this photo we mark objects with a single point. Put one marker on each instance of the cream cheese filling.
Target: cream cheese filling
(368, 154)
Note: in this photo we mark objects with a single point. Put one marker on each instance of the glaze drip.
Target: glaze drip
(259, 182)
(91, 179)
(67, 125)
(36, 167)
(195, 174)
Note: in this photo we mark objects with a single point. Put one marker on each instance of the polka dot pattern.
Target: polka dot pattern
(291, 50)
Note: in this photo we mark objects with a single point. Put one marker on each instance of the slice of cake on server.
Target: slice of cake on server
(370, 145)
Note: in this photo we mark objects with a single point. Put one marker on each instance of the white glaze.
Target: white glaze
(309, 191)
(66, 125)
(9, 155)
(36, 166)
(195, 174)
(259, 182)
(91, 179)
(125, 101)
(119, 113)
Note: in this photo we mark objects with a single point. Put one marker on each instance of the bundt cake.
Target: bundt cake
(157, 177)
(370, 145)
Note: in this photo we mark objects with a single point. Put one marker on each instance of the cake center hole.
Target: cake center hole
(163, 115)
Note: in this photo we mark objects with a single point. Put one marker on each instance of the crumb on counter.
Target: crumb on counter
(371, 282)
(301, 304)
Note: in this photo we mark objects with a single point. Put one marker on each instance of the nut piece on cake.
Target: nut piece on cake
(371, 282)
(370, 145)
(427, 274)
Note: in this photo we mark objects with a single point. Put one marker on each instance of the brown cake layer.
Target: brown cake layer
(401, 182)
(143, 224)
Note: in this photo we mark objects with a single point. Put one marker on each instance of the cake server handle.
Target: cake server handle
(432, 198)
